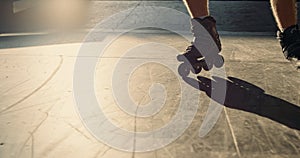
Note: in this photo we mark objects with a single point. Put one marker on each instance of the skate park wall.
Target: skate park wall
(231, 16)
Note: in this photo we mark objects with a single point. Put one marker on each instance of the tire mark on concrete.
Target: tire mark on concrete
(37, 89)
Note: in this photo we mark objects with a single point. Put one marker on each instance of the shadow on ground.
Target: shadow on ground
(245, 96)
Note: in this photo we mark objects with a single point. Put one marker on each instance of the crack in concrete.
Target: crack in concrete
(31, 136)
(79, 131)
(35, 90)
(52, 146)
(232, 133)
(139, 3)
(15, 86)
(103, 153)
(31, 106)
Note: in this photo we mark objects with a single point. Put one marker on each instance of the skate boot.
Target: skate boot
(290, 42)
(204, 50)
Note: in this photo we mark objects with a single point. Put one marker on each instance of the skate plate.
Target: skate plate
(196, 65)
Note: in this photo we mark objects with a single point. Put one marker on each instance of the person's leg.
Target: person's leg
(199, 12)
(197, 8)
(285, 13)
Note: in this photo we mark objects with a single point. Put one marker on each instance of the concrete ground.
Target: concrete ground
(45, 106)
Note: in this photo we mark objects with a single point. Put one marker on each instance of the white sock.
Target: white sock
(202, 17)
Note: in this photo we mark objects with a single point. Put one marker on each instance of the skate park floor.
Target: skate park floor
(38, 109)
(43, 82)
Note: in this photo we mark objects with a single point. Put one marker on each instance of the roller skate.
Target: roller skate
(290, 42)
(203, 53)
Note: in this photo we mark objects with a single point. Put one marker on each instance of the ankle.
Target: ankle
(202, 17)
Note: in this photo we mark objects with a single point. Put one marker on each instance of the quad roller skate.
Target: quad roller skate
(195, 58)
(290, 42)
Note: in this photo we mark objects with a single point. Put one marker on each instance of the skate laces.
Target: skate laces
(192, 51)
(289, 36)
(290, 41)
(190, 48)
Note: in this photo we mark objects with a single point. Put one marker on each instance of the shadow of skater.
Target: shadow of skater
(245, 96)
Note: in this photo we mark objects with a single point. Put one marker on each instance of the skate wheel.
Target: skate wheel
(197, 68)
(207, 64)
(219, 61)
(184, 70)
(181, 57)
(204, 65)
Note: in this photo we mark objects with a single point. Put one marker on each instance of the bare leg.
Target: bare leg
(285, 13)
(197, 8)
